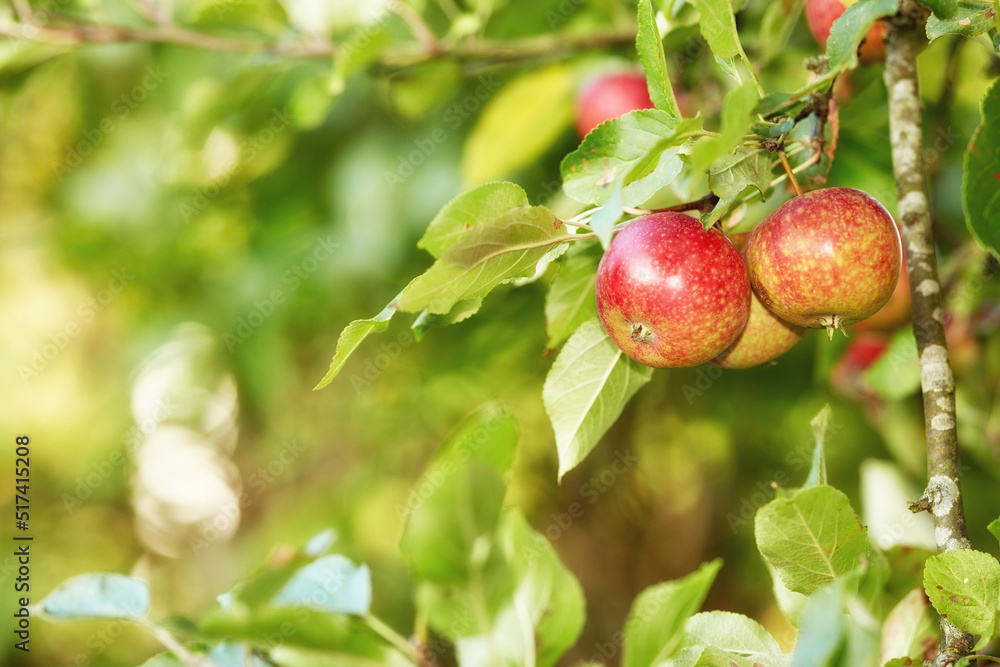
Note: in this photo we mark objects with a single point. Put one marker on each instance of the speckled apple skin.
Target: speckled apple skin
(765, 337)
(827, 252)
(671, 294)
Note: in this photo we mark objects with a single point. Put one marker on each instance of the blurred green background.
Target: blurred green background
(185, 232)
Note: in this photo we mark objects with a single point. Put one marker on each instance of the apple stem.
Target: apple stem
(788, 170)
(942, 496)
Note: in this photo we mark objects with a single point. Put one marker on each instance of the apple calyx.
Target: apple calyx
(832, 322)
(641, 334)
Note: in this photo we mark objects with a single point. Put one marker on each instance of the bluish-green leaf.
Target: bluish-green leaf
(649, 46)
(981, 183)
(971, 18)
(964, 586)
(351, 337)
(570, 300)
(488, 254)
(636, 152)
(331, 583)
(810, 538)
(98, 596)
(587, 389)
(654, 629)
(488, 201)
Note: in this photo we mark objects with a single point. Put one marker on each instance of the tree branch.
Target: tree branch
(483, 52)
(943, 495)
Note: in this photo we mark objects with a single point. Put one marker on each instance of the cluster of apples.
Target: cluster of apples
(672, 294)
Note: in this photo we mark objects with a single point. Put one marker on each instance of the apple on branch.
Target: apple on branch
(670, 293)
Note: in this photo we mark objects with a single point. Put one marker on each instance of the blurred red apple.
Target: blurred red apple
(671, 294)
(612, 95)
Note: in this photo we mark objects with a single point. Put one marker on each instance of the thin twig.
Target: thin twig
(789, 171)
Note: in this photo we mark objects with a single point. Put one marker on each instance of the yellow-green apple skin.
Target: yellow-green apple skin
(765, 337)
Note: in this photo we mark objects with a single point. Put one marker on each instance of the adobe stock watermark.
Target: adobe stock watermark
(436, 477)
(85, 485)
(293, 278)
(453, 117)
(589, 492)
(375, 366)
(258, 482)
(797, 459)
(123, 105)
(246, 152)
(87, 311)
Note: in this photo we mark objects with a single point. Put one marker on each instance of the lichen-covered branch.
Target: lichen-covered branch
(943, 496)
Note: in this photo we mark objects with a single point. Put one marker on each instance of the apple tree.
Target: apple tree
(725, 193)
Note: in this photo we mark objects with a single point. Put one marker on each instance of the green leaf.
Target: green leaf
(636, 152)
(587, 389)
(971, 18)
(718, 27)
(729, 176)
(848, 31)
(909, 628)
(456, 505)
(943, 9)
(331, 583)
(964, 587)
(737, 117)
(994, 528)
(98, 596)
(981, 182)
(649, 46)
(488, 254)
(570, 300)
(733, 633)
(547, 599)
(519, 124)
(896, 374)
(351, 337)
(810, 538)
(820, 425)
(654, 628)
(603, 220)
(488, 201)
(221, 655)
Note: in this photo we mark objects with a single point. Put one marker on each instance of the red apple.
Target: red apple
(671, 294)
(827, 258)
(820, 15)
(765, 337)
(613, 95)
